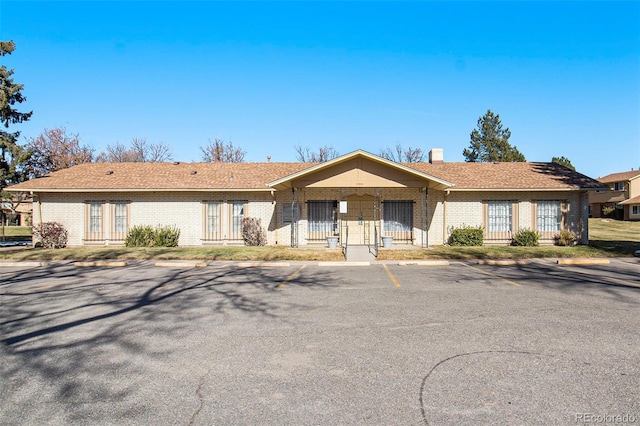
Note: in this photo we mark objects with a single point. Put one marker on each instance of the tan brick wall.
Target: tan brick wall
(185, 210)
(466, 208)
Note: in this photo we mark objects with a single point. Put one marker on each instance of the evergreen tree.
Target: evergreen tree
(490, 142)
(13, 156)
(563, 161)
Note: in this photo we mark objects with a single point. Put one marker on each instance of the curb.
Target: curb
(102, 263)
(503, 262)
(583, 261)
(28, 264)
(181, 264)
(424, 263)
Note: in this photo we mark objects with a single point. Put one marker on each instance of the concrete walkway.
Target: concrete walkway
(360, 254)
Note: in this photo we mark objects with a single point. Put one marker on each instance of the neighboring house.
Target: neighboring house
(21, 216)
(358, 197)
(620, 200)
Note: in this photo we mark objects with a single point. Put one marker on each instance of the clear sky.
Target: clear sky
(563, 76)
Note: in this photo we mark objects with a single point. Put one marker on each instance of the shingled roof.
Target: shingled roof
(255, 176)
(621, 176)
(508, 176)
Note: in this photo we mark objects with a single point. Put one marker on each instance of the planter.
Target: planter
(387, 242)
(332, 242)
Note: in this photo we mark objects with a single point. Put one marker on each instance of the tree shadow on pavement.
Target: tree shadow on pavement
(75, 341)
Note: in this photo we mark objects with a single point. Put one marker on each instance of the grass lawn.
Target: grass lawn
(607, 238)
(16, 231)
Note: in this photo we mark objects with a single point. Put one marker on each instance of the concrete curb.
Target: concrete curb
(181, 264)
(261, 264)
(503, 262)
(583, 261)
(424, 263)
(28, 264)
(102, 263)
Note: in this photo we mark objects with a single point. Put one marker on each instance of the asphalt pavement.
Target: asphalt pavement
(320, 343)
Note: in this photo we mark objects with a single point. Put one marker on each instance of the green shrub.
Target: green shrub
(525, 237)
(148, 236)
(166, 236)
(51, 235)
(252, 232)
(467, 236)
(139, 236)
(565, 238)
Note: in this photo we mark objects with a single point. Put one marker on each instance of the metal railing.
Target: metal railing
(375, 240)
(345, 242)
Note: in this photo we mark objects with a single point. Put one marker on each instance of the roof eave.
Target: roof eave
(87, 190)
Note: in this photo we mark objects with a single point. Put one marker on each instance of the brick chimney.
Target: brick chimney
(436, 156)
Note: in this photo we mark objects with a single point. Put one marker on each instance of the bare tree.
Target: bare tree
(219, 151)
(55, 149)
(324, 153)
(138, 152)
(402, 155)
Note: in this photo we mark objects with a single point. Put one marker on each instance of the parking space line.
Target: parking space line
(393, 278)
(593, 274)
(290, 277)
(493, 275)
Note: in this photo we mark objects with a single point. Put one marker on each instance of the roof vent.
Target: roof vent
(109, 172)
(193, 172)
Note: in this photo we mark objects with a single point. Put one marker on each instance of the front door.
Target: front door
(360, 220)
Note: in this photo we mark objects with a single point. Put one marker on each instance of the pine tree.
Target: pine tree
(490, 142)
(13, 155)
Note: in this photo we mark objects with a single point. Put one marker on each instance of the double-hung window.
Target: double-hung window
(94, 221)
(548, 216)
(323, 219)
(238, 212)
(212, 220)
(398, 219)
(119, 220)
(499, 219)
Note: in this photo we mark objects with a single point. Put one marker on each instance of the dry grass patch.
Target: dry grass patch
(17, 231)
(174, 253)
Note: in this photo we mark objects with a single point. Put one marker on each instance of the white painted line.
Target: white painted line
(424, 263)
(344, 263)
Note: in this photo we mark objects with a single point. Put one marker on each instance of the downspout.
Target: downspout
(275, 213)
(444, 218)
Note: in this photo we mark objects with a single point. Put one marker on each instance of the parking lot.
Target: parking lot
(310, 343)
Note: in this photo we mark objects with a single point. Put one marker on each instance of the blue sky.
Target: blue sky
(563, 76)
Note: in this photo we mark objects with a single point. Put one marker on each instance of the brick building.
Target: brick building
(357, 198)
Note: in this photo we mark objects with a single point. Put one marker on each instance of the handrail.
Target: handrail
(345, 244)
(375, 240)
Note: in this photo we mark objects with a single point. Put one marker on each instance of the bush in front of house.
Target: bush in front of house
(565, 238)
(467, 236)
(148, 236)
(51, 235)
(252, 232)
(525, 237)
